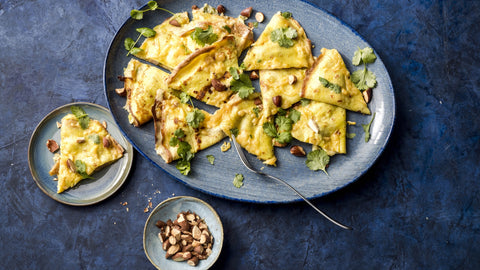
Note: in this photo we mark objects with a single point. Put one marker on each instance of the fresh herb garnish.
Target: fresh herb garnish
(81, 169)
(195, 117)
(332, 86)
(81, 116)
(364, 78)
(238, 180)
(234, 131)
(317, 160)
(183, 151)
(281, 130)
(241, 83)
(95, 138)
(284, 36)
(184, 97)
(151, 5)
(226, 27)
(351, 135)
(211, 159)
(304, 101)
(203, 37)
(129, 43)
(256, 110)
(366, 128)
(286, 14)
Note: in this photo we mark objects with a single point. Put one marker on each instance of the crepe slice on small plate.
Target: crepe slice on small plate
(85, 147)
(170, 115)
(204, 74)
(323, 125)
(241, 115)
(141, 82)
(329, 81)
(283, 44)
(173, 40)
(281, 86)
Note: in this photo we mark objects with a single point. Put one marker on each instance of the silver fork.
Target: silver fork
(247, 164)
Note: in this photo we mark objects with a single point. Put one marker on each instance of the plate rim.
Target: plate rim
(176, 198)
(109, 192)
(371, 162)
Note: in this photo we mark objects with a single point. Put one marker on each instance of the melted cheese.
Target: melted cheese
(84, 145)
(331, 67)
(141, 83)
(323, 125)
(266, 54)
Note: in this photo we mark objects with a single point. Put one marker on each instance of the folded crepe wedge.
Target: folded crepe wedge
(282, 85)
(82, 151)
(323, 125)
(243, 116)
(173, 43)
(268, 54)
(204, 74)
(170, 115)
(141, 82)
(329, 81)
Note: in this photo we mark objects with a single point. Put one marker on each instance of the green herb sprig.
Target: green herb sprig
(281, 130)
(364, 78)
(284, 36)
(129, 43)
(81, 115)
(202, 37)
(366, 128)
(151, 5)
(183, 151)
(238, 180)
(318, 160)
(241, 83)
(82, 169)
(332, 86)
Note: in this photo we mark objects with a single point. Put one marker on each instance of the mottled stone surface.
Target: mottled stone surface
(416, 208)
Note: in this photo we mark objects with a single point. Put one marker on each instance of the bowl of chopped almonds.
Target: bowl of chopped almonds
(183, 232)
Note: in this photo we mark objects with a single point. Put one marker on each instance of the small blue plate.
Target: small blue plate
(169, 209)
(89, 191)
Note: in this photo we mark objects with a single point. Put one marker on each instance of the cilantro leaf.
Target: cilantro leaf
(305, 101)
(256, 110)
(284, 123)
(286, 14)
(203, 37)
(146, 32)
(269, 129)
(238, 180)
(317, 160)
(234, 131)
(81, 169)
(364, 79)
(129, 43)
(227, 28)
(284, 36)
(136, 14)
(194, 118)
(366, 128)
(184, 97)
(95, 138)
(332, 86)
(183, 166)
(211, 159)
(365, 56)
(243, 86)
(179, 133)
(81, 116)
(234, 72)
(284, 137)
(152, 5)
(294, 115)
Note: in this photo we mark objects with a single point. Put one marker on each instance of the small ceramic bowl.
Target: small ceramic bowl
(169, 209)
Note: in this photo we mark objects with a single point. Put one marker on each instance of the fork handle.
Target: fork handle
(309, 203)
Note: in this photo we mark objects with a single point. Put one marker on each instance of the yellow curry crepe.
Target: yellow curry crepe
(83, 151)
(170, 114)
(330, 68)
(196, 73)
(141, 84)
(239, 114)
(267, 54)
(322, 124)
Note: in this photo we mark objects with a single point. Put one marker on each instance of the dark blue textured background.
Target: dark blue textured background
(416, 208)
